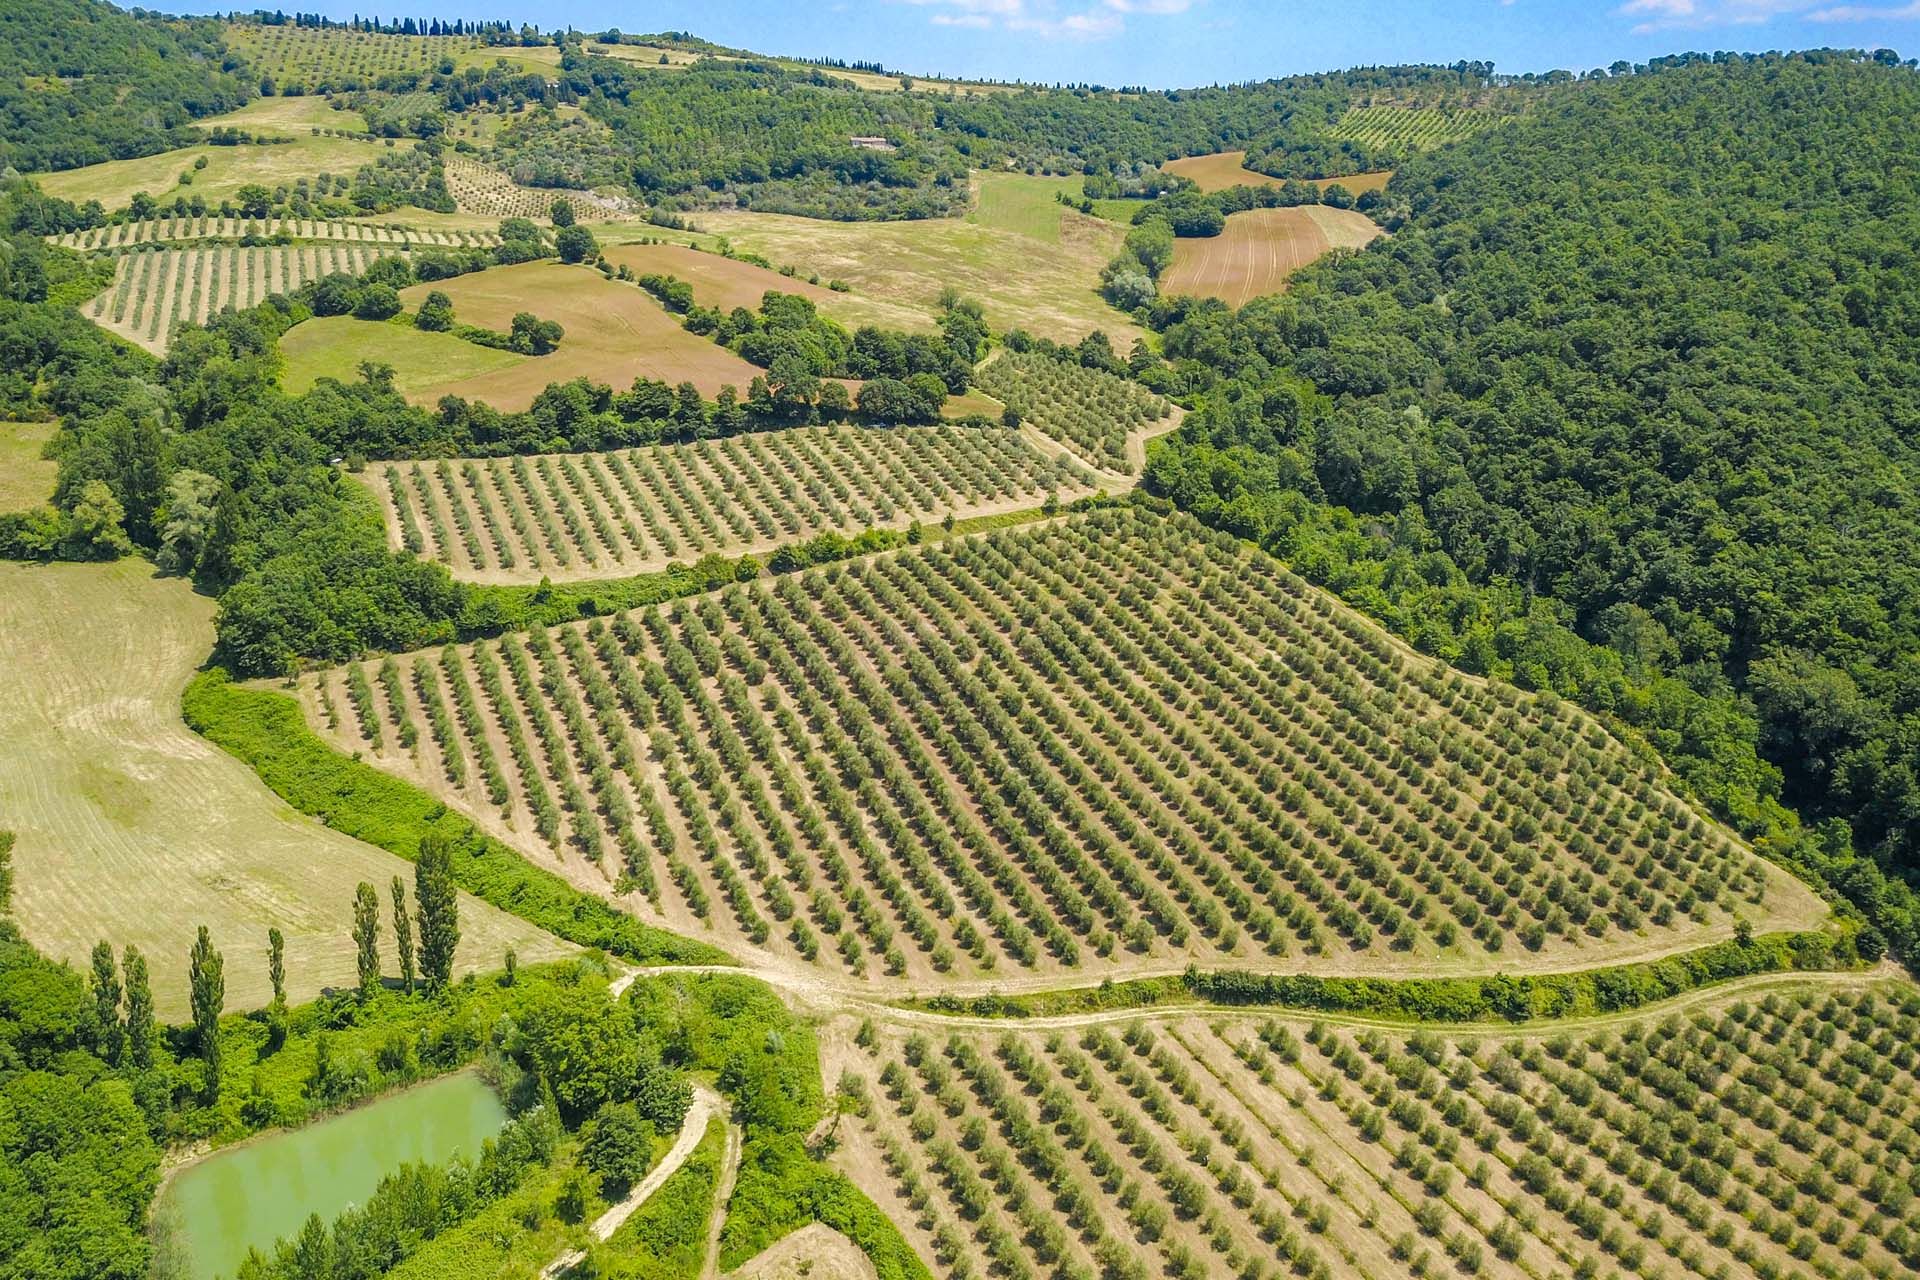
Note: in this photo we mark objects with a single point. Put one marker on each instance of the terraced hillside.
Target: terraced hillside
(1103, 745)
(604, 514)
(1763, 1135)
(122, 235)
(154, 291)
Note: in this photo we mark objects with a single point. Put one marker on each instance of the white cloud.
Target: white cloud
(1066, 19)
(1694, 15)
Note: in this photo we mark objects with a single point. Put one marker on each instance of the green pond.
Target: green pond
(254, 1194)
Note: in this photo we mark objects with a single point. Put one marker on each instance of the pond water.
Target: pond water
(252, 1195)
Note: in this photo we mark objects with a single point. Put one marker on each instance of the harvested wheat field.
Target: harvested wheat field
(1096, 747)
(1223, 169)
(615, 332)
(587, 515)
(1261, 249)
(120, 809)
(727, 283)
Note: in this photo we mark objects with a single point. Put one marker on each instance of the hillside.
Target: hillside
(1165, 770)
(1683, 404)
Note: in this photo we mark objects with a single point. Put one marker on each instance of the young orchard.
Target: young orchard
(1066, 749)
(1092, 412)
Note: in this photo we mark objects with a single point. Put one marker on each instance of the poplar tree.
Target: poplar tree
(139, 1009)
(366, 935)
(277, 974)
(207, 992)
(106, 1004)
(438, 910)
(403, 934)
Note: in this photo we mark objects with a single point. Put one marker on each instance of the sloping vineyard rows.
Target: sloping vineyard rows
(307, 55)
(1061, 747)
(582, 515)
(122, 235)
(1777, 1137)
(1411, 128)
(1090, 411)
(481, 189)
(156, 290)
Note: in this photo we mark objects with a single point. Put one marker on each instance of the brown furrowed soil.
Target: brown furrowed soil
(1260, 250)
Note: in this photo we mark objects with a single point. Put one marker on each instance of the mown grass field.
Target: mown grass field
(727, 283)
(575, 516)
(133, 829)
(1223, 169)
(615, 332)
(1261, 249)
(1103, 746)
(26, 477)
(336, 347)
(1262, 1147)
(1049, 289)
(292, 115)
(155, 291)
(228, 169)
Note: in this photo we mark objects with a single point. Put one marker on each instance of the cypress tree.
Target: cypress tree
(438, 909)
(207, 982)
(139, 1009)
(277, 966)
(366, 936)
(106, 1003)
(403, 934)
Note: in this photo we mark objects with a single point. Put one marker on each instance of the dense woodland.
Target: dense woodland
(1639, 368)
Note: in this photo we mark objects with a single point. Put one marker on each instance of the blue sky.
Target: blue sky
(1167, 43)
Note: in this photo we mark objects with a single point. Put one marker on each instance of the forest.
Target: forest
(1674, 417)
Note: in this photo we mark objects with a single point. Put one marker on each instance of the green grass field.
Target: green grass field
(228, 169)
(1025, 205)
(335, 346)
(26, 478)
(134, 829)
(290, 116)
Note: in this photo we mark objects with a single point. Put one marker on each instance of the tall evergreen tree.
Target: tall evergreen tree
(403, 934)
(207, 983)
(106, 1003)
(139, 1009)
(438, 908)
(366, 936)
(277, 966)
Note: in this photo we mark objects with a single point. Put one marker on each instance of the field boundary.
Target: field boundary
(267, 731)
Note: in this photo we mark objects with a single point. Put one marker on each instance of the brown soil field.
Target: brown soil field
(615, 332)
(1225, 169)
(1260, 250)
(727, 283)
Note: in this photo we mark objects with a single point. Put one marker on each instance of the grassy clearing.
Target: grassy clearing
(1085, 747)
(1259, 1147)
(336, 347)
(26, 477)
(1261, 249)
(728, 283)
(119, 807)
(1049, 289)
(1025, 205)
(297, 114)
(228, 169)
(615, 332)
(576, 516)
(1223, 169)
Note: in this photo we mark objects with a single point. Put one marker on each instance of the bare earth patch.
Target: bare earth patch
(1261, 249)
